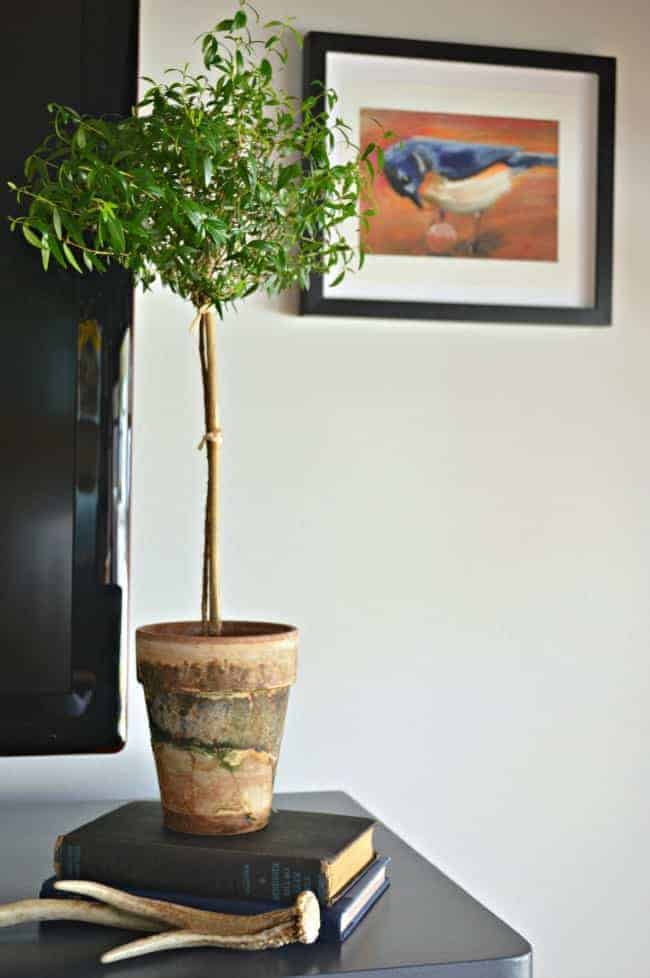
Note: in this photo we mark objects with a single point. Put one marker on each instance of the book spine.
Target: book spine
(58, 845)
(235, 877)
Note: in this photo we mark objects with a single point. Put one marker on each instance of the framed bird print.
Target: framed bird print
(493, 200)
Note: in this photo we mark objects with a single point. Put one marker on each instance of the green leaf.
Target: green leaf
(239, 20)
(116, 234)
(195, 213)
(55, 248)
(265, 69)
(217, 231)
(286, 174)
(207, 170)
(31, 237)
(56, 221)
(80, 138)
(69, 254)
(45, 257)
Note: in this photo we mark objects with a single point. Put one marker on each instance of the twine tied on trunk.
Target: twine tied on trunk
(211, 436)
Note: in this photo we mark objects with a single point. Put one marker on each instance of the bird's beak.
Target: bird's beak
(415, 197)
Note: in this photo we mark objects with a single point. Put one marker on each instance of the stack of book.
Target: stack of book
(332, 855)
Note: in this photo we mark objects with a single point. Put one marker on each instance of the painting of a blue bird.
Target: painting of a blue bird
(466, 178)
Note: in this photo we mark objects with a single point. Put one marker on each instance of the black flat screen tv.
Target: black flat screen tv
(65, 410)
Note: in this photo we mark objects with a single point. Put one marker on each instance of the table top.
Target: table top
(424, 921)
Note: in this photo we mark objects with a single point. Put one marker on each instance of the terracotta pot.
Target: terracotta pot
(216, 706)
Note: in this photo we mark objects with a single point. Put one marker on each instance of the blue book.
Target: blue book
(337, 920)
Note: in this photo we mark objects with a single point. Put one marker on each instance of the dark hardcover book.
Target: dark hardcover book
(337, 920)
(296, 851)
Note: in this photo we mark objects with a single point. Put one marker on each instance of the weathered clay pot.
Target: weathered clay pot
(216, 707)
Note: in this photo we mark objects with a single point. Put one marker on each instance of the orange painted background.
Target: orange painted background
(522, 224)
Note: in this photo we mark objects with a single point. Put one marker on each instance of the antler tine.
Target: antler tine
(173, 940)
(168, 914)
(27, 911)
(303, 927)
(188, 918)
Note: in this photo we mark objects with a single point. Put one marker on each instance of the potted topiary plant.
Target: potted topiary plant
(218, 185)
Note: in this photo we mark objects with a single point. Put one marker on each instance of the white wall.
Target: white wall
(458, 518)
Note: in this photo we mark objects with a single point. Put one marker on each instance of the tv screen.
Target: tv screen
(65, 395)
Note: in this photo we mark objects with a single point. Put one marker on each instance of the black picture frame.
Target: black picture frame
(314, 302)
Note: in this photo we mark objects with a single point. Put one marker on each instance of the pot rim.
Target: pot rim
(190, 632)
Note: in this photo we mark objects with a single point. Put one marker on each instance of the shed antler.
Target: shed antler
(175, 926)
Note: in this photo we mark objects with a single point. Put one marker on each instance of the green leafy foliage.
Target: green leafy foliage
(218, 184)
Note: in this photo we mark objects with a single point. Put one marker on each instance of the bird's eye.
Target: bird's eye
(403, 177)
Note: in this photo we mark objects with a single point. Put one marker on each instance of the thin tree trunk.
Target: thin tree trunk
(211, 588)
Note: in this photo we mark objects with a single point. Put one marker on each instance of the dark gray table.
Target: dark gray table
(424, 923)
